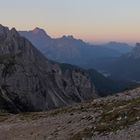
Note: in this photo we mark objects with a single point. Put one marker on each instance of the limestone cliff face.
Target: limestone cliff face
(29, 82)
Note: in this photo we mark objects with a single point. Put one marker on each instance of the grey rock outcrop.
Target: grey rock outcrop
(29, 82)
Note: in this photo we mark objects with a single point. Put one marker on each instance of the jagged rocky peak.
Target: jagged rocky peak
(5, 32)
(29, 82)
(14, 32)
(137, 44)
(11, 42)
(3, 29)
(137, 48)
(135, 53)
(39, 31)
(68, 37)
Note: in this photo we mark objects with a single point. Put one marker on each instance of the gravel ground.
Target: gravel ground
(100, 119)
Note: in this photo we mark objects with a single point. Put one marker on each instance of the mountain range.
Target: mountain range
(29, 82)
(104, 85)
(127, 67)
(119, 61)
(33, 88)
(73, 51)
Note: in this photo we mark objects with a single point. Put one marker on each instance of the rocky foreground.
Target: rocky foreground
(112, 118)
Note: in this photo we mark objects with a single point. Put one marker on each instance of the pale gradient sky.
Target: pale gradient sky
(91, 20)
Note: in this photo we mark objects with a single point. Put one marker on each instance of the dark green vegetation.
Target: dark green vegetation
(104, 86)
(125, 69)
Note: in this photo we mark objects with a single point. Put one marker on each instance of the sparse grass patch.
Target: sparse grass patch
(79, 136)
(4, 116)
(31, 116)
(116, 115)
(68, 110)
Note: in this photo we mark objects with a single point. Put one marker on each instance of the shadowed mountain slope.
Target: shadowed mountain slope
(29, 82)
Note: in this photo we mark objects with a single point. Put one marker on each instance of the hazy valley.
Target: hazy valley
(35, 80)
(69, 70)
(57, 89)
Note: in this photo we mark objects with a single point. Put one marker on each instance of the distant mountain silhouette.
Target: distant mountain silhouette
(120, 47)
(67, 49)
(127, 67)
(37, 36)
